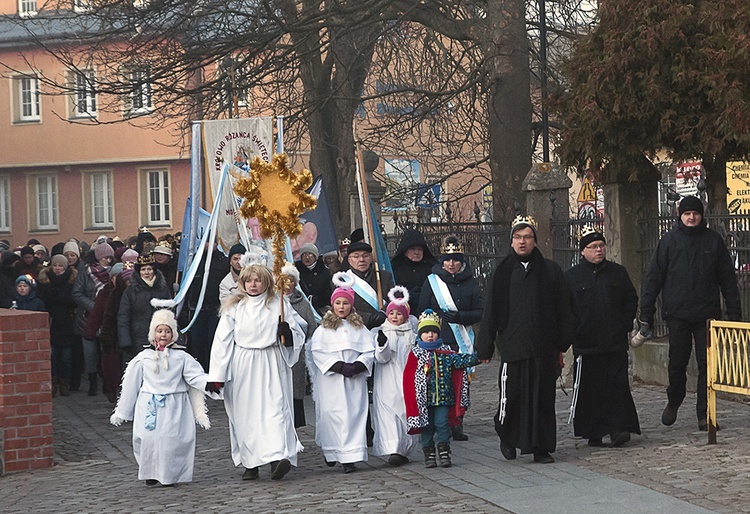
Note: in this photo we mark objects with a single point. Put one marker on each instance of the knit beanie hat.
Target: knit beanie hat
(429, 321)
(72, 246)
(690, 203)
(103, 250)
(343, 283)
(290, 270)
(27, 250)
(59, 259)
(4, 245)
(162, 317)
(129, 255)
(309, 248)
(28, 279)
(588, 236)
(400, 304)
(39, 248)
(521, 222)
(237, 248)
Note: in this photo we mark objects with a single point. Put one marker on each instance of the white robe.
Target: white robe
(167, 452)
(388, 408)
(341, 403)
(257, 375)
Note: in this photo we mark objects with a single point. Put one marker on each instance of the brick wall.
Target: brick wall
(25, 391)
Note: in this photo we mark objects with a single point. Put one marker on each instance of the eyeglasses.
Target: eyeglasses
(525, 238)
(594, 246)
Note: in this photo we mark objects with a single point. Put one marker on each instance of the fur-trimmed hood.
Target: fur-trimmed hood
(330, 320)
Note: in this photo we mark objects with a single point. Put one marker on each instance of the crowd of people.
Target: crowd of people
(388, 358)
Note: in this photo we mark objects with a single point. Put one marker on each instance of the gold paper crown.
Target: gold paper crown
(587, 230)
(451, 245)
(429, 318)
(165, 244)
(143, 230)
(345, 242)
(146, 258)
(524, 220)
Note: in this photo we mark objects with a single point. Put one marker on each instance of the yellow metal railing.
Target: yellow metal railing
(728, 364)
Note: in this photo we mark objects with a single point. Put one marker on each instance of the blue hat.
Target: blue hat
(28, 279)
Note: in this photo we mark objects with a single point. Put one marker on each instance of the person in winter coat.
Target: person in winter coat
(89, 282)
(108, 339)
(452, 291)
(55, 288)
(164, 261)
(136, 310)
(692, 269)
(604, 304)
(29, 264)
(528, 313)
(314, 277)
(361, 269)
(25, 297)
(228, 285)
(8, 275)
(412, 264)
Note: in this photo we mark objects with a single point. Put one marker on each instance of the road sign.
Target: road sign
(587, 192)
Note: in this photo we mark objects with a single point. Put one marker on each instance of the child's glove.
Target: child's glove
(285, 332)
(382, 338)
(214, 387)
(451, 317)
(351, 369)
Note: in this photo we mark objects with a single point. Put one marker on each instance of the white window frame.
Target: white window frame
(5, 203)
(101, 200)
(28, 102)
(47, 201)
(84, 94)
(140, 99)
(27, 8)
(158, 199)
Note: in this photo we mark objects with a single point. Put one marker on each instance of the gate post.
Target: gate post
(547, 199)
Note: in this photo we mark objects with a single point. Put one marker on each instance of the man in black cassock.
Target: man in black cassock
(604, 305)
(528, 313)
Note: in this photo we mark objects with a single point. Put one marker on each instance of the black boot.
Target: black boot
(93, 387)
(445, 455)
(458, 432)
(429, 456)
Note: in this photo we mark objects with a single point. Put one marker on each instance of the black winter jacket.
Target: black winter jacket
(370, 316)
(56, 291)
(135, 311)
(690, 267)
(466, 295)
(408, 273)
(604, 304)
(316, 282)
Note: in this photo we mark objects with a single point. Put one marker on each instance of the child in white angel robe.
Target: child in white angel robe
(394, 341)
(255, 370)
(163, 394)
(342, 353)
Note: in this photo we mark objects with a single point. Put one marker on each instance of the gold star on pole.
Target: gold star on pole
(276, 195)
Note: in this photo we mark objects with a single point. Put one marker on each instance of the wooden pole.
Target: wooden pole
(368, 219)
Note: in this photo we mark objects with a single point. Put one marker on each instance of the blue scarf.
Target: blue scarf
(425, 345)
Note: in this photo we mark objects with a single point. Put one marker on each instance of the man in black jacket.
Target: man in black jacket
(691, 267)
(412, 264)
(528, 312)
(604, 305)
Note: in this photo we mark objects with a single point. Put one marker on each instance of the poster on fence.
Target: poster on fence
(738, 187)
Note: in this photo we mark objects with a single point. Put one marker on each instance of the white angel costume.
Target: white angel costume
(388, 408)
(257, 375)
(163, 394)
(341, 403)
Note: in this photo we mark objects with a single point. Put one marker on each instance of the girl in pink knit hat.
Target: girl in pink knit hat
(341, 355)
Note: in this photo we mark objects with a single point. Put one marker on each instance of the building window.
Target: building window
(27, 8)
(26, 92)
(157, 198)
(98, 206)
(46, 202)
(139, 99)
(84, 95)
(4, 203)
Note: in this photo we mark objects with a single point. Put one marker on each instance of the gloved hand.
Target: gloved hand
(350, 369)
(336, 368)
(451, 316)
(376, 319)
(646, 330)
(382, 338)
(214, 387)
(285, 332)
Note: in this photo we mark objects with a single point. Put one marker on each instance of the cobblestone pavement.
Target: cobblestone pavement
(671, 469)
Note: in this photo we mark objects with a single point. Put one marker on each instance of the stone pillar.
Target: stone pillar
(546, 187)
(25, 391)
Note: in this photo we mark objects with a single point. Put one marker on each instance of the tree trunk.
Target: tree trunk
(508, 105)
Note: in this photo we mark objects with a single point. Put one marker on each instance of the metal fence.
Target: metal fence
(484, 243)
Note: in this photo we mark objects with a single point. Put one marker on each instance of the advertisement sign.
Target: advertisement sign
(687, 175)
(738, 187)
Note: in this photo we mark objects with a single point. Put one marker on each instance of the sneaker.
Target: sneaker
(596, 441)
(280, 468)
(250, 474)
(543, 457)
(619, 438)
(349, 467)
(508, 451)
(669, 416)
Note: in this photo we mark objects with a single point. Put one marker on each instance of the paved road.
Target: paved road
(668, 469)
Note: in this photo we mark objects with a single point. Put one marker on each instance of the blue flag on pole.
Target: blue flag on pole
(321, 221)
(379, 244)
